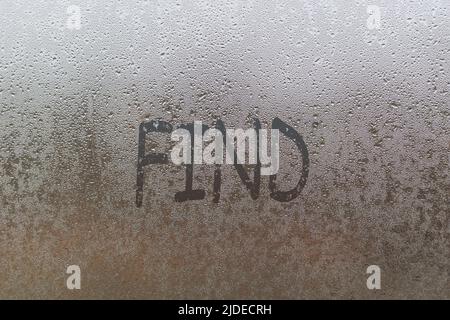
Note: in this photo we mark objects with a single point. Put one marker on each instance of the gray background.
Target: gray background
(371, 104)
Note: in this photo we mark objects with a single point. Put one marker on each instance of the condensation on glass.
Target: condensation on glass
(365, 83)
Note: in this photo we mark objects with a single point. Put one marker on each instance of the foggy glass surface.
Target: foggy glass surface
(370, 99)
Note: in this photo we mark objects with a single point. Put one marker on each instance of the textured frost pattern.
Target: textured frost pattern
(365, 83)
